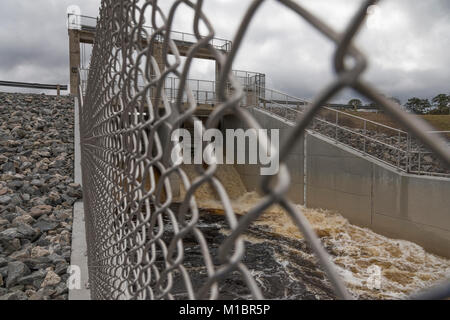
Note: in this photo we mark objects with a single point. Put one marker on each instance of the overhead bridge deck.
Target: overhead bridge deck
(82, 29)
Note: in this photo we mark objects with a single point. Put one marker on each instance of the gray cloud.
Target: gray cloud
(35, 41)
(407, 47)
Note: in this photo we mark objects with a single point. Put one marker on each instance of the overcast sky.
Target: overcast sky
(407, 42)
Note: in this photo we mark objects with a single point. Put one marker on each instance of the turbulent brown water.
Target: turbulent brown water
(403, 266)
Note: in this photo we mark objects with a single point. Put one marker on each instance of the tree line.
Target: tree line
(440, 104)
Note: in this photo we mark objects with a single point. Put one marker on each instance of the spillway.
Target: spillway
(361, 255)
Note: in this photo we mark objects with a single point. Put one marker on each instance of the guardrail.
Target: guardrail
(30, 85)
(89, 24)
(204, 91)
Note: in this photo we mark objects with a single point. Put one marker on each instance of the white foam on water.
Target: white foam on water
(404, 267)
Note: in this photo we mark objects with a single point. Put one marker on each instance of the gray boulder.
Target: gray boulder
(16, 270)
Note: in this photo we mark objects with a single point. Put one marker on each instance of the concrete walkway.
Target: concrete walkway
(79, 261)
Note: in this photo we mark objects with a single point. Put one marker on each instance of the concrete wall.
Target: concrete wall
(371, 194)
(415, 208)
(365, 191)
(339, 180)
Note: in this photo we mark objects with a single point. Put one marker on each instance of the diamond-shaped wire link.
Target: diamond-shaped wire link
(135, 236)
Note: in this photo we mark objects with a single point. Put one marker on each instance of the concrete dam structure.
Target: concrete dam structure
(329, 175)
(353, 198)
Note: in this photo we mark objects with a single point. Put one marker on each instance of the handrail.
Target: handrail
(346, 129)
(33, 85)
(366, 120)
(281, 93)
(225, 45)
(339, 111)
(247, 73)
(401, 153)
(57, 87)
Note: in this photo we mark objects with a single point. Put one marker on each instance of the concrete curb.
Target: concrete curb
(79, 246)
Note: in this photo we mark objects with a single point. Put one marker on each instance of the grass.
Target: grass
(438, 122)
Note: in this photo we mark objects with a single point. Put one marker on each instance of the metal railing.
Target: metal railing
(89, 24)
(136, 238)
(30, 85)
(249, 79)
(83, 79)
(389, 145)
(81, 22)
(204, 91)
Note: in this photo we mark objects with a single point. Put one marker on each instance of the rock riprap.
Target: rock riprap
(37, 192)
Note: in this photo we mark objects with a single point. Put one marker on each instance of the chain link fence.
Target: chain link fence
(136, 236)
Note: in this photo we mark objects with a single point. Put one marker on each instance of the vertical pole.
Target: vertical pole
(419, 158)
(255, 95)
(58, 89)
(305, 169)
(198, 92)
(217, 79)
(399, 150)
(408, 151)
(365, 133)
(337, 122)
(174, 92)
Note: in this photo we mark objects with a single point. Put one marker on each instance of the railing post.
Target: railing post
(399, 150)
(365, 133)
(173, 88)
(337, 123)
(408, 152)
(419, 160)
(58, 90)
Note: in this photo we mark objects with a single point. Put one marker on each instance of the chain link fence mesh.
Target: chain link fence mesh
(135, 235)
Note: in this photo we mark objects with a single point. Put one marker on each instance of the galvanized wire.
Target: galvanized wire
(127, 174)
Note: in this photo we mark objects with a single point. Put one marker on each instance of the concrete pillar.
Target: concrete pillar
(251, 97)
(75, 58)
(158, 55)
